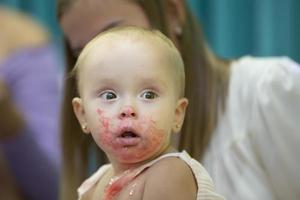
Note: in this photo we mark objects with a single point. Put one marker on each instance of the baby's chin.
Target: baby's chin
(139, 156)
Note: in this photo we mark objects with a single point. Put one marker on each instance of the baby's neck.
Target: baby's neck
(120, 168)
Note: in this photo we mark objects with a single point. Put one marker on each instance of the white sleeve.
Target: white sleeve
(275, 126)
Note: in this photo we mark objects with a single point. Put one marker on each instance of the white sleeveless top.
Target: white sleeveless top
(205, 185)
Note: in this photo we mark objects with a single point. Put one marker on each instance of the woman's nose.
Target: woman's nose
(127, 112)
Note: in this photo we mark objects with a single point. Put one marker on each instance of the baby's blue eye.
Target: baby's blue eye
(149, 95)
(108, 95)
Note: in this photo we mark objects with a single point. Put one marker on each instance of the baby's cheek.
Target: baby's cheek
(104, 139)
(155, 136)
(103, 134)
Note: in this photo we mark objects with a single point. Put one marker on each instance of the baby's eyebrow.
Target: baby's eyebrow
(153, 82)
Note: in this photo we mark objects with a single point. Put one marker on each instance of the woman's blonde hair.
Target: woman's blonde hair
(205, 87)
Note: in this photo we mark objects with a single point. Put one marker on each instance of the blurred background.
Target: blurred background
(232, 27)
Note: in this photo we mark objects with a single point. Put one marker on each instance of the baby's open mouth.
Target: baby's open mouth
(128, 138)
(128, 134)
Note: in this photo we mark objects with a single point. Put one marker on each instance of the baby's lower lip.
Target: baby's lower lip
(128, 141)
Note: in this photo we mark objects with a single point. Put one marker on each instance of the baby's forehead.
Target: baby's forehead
(152, 43)
(110, 45)
(145, 42)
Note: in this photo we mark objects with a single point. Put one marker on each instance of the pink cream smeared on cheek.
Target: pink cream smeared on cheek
(104, 120)
(105, 136)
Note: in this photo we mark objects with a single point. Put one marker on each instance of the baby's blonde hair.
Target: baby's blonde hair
(139, 34)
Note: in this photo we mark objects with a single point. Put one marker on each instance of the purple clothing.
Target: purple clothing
(33, 80)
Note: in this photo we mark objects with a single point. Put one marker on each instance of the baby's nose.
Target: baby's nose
(127, 112)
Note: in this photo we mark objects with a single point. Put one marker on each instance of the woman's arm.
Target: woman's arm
(275, 127)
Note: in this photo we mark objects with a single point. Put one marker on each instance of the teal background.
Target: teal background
(232, 27)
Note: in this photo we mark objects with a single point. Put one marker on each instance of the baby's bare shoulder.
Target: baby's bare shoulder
(170, 178)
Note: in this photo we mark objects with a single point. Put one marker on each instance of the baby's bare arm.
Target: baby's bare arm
(171, 178)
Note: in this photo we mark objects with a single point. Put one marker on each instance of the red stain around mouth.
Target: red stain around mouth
(133, 149)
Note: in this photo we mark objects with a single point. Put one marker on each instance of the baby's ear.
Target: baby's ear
(80, 113)
(179, 114)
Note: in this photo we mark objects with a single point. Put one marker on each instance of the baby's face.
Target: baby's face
(128, 100)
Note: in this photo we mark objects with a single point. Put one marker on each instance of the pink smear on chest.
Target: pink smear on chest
(115, 186)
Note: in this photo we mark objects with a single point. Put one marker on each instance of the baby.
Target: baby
(131, 87)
